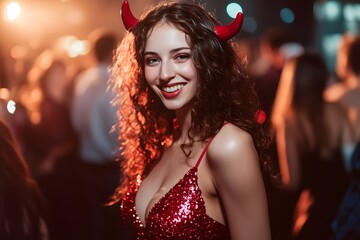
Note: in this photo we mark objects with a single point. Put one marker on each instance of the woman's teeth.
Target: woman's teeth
(173, 88)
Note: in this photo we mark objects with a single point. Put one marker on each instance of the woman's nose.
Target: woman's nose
(167, 71)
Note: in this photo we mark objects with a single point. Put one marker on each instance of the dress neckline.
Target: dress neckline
(195, 169)
(171, 189)
(162, 198)
(192, 170)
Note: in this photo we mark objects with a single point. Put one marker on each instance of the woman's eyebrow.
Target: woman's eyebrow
(171, 51)
(179, 49)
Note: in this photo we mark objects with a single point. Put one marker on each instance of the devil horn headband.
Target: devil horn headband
(127, 17)
(223, 32)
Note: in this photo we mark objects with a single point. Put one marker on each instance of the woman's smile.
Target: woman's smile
(169, 68)
(172, 91)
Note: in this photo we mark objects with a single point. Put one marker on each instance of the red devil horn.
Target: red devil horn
(127, 17)
(226, 32)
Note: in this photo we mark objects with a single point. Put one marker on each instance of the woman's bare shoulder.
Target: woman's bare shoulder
(231, 144)
(234, 163)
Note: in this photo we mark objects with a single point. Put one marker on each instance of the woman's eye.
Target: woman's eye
(182, 57)
(151, 61)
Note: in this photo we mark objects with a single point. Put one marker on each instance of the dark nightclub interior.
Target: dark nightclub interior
(30, 29)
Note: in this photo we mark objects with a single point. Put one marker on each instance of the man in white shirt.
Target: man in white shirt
(94, 114)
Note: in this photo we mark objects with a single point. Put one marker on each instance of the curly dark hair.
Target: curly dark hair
(226, 93)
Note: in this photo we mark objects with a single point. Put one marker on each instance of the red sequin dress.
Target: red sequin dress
(179, 214)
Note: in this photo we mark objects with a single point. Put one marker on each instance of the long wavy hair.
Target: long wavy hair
(226, 93)
(301, 89)
(22, 209)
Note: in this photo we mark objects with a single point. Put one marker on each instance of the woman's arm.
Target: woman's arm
(288, 155)
(345, 121)
(237, 177)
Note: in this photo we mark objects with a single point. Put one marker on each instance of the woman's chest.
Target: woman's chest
(179, 214)
(157, 185)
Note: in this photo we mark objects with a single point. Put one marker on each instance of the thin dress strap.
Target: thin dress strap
(205, 149)
(203, 152)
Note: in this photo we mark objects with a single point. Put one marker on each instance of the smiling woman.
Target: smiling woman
(189, 135)
(169, 68)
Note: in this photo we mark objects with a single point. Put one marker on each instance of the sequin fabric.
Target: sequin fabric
(179, 214)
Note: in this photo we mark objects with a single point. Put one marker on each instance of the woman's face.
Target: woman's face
(169, 68)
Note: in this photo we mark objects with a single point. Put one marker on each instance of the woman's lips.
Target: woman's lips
(172, 91)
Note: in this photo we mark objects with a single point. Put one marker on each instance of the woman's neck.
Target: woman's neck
(183, 116)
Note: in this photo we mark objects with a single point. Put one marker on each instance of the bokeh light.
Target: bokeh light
(12, 11)
(4, 93)
(11, 106)
(287, 15)
(75, 47)
(250, 25)
(232, 9)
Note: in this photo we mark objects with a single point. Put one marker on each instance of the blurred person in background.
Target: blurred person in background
(351, 98)
(49, 141)
(343, 80)
(22, 207)
(247, 50)
(347, 222)
(310, 135)
(46, 97)
(94, 114)
(266, 70)
(346, 90)
(274, 48)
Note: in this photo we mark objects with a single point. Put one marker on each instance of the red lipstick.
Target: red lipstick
(171, 94)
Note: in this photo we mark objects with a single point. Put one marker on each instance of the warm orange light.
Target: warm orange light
(18, 52)
(12, 11)
(74, 47)
(4, 93)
